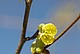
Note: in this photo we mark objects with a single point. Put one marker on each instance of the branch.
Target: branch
(32, 37)
(25, 21)
(61, 34)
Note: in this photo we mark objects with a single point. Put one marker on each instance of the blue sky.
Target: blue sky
(59, 12)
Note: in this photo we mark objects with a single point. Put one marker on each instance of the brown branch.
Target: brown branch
(61, 34)
(25, 21)
(32, 37)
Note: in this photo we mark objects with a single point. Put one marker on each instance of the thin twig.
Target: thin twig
(62, 33)
(32, 37)
(25, 21)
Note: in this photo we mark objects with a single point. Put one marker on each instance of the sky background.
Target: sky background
(59, 12)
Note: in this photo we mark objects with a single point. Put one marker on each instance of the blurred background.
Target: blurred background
(59, 12)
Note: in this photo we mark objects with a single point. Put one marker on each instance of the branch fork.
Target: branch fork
(23, 39)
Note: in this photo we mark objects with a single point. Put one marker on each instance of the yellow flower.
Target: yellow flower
(47, 38)
(33, 47)
(47, 33)
(49, 29)
(38, 50)
(40, 27)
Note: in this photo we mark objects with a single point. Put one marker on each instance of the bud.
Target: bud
(37, 46)
(47, 39)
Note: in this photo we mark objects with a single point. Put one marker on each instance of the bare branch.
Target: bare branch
(25, 21)
(33, 37)
(61, 34)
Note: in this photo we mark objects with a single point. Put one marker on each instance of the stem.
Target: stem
(25, 21)
(62, 33)
(32, 37)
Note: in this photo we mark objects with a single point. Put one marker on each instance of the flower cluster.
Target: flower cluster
(47, 33)
(45, 37)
